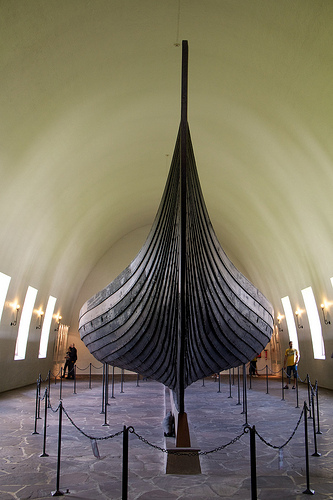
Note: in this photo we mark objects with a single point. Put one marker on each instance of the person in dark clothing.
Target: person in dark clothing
(253, 367)
(72, 361)
(67, 364)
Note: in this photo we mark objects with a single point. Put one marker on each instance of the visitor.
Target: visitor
(253, 367)
(72, 361)
(67, 364)
(291, 360)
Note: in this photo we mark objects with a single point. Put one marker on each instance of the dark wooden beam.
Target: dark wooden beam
(182, 323)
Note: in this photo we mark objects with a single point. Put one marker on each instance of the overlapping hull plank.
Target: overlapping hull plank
(133, 322)
(181, 310)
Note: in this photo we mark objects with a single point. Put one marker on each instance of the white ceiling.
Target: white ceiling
(90, 109)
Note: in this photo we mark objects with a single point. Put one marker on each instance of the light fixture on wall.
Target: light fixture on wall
(297, 314)
(58, 320)
(40, 319)
(279, 318)
(16, 309)
(325, 319)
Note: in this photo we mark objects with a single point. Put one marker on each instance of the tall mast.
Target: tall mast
(182, 323)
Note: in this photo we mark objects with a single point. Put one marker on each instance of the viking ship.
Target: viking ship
(180, 311)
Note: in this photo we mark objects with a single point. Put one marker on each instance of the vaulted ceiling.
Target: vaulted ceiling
(90, 109)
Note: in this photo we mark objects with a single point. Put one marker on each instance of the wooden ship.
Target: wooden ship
(181, 310)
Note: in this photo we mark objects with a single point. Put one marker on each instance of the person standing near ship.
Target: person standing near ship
(291, 360)
(72, 361)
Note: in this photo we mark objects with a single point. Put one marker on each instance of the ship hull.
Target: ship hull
(133, 323)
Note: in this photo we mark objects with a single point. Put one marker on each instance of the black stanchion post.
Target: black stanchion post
(107, 385)
(317, 401)
(125, 464)
(282, 371)
(60, 389)
(39, 386)
(219, 390)
(297, 403)
(137, 380)
(112, 392)
(309, 396)
(89, 375)
(316, 453)
(122, 381)
(230, 396)
(44, 454)
(266, 379)
(244, 377)
(203, 382)
(238, 377)
(244, 394)
(57, 492)
(253, 463)
(103, 389)
(36, 409)
(74, 370)
(105, 408)
(49, 381)
(308, 490)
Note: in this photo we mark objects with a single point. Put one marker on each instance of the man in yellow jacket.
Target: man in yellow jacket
(291, 360)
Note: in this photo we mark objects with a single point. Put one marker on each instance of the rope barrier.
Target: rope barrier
(50, 406)
(82, 369)
(55, 376)
(51, 374)
(288, 440)
(100, 438)
(299, 378)
(58, 374)
(261, 369)
(247, 428)
(164, 450)
(273, 373)
(313, 390)
(144, 440)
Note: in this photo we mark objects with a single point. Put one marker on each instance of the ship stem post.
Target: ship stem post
(182, 254)
(183, 435)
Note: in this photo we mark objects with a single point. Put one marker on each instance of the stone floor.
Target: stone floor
(216, 421)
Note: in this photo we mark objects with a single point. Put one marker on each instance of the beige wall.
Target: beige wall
(23, 372)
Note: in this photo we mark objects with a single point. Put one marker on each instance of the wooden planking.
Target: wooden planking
(133, 322)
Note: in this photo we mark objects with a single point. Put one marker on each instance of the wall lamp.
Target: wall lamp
(325, 319)
(17, 308)
(298, 313)
(58, 319)
(40, 319)
(279, 318)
